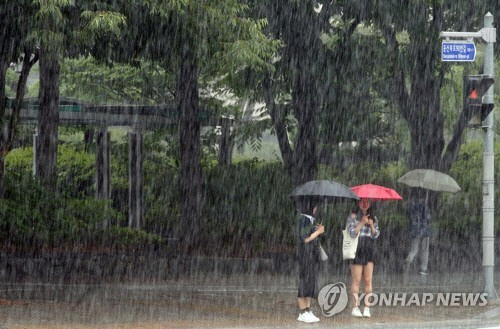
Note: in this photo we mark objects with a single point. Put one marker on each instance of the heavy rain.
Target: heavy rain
(248, 164)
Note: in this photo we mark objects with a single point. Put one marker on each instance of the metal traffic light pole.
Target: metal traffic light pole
(488, 172)
(488, 34)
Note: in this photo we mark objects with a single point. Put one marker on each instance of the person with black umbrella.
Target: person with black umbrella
(308, 254)
(308, 196)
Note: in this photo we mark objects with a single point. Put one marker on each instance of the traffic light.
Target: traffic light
(475, 86)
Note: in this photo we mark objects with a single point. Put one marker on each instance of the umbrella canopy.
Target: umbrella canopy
(376, 192)
(328, 189)
(430, 179)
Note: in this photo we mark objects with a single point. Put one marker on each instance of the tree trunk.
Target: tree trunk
(88, 138)
(7, 48)
(3, 70)
(305, 45)
(48, 119)
(304, 104)
(28, 63)
(278, 115)
(11, 36)
(455, 142)
(189, 128)
(10, 133)
(420, 107)
(225, 142)
(426, 127)
(304, 156)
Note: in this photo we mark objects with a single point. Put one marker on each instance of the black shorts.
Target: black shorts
(365, 252)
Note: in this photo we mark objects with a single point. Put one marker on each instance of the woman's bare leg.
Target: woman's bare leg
(356, 272)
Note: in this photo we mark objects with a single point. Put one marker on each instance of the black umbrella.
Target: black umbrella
(324, 189)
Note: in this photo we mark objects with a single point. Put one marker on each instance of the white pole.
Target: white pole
(488, 173)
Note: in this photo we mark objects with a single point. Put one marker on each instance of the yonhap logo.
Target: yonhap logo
(333, 298)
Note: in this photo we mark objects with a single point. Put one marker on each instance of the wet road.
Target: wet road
(212, 301)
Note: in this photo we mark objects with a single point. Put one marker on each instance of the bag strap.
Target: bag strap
(347, 224)
(350, 216)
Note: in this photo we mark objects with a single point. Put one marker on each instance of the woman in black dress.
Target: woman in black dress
(308, 255)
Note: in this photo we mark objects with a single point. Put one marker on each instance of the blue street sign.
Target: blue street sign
(458, 51)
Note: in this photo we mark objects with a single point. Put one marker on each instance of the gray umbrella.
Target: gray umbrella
(430, 179)
(327, 189)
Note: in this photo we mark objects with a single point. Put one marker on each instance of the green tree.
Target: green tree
(207, 42)
(319, 95)
(89, 80)
(417, 76)
(300, 61)
(50, 22)
(57, 23)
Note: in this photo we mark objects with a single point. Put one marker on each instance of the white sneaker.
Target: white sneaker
(366, 312)
(314, 317)
(356, 312)
(306, 318)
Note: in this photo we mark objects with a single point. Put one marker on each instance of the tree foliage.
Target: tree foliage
(331, 74)
(89, 80)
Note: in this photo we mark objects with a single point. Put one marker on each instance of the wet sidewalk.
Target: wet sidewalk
(229, 301)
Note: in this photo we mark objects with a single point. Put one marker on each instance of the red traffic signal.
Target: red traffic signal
(475, 87)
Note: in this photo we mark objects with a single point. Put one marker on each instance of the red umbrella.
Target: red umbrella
(376, 192)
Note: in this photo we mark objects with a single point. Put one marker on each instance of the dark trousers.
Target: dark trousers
(308, 271)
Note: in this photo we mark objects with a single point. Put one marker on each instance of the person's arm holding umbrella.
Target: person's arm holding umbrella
(374, 229)
(355, 229)
(320, 229)
(366, 220)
